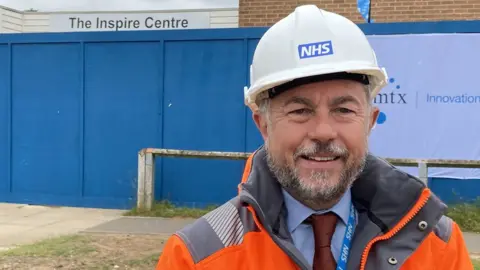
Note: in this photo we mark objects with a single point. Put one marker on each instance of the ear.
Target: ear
(261, 123)
(373, 118)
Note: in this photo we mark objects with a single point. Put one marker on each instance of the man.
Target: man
(313, 197)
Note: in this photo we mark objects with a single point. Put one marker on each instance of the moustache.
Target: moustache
(321, 148)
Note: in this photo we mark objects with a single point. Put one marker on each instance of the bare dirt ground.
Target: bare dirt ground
(87, 251)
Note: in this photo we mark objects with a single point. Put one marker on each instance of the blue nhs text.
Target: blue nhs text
(315, 49)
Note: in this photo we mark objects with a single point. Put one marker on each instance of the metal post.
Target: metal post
(423, 172)
(149, 180)
(141, 180)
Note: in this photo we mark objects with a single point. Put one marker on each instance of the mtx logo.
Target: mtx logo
(393, 97)
(315, 49)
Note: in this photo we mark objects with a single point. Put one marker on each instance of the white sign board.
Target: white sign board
(128, 21)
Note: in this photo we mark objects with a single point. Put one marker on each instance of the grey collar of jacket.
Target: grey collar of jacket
(382, 195)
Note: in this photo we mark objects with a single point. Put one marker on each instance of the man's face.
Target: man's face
(316, 136)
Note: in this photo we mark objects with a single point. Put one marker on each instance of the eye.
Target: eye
(344, 110)
(300, 111)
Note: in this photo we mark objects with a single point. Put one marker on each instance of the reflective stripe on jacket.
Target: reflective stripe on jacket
(401, 225)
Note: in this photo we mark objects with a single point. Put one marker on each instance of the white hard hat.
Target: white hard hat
(307, 43)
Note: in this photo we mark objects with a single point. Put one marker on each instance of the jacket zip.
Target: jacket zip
(252, 202)
(404, 221)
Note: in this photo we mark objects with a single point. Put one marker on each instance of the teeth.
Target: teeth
(322, 158)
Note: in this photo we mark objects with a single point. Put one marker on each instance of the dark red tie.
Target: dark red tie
(323, 229)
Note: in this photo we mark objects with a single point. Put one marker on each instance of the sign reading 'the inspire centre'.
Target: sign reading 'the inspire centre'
(128, 21)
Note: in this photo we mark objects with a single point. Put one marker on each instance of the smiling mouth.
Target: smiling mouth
(321, 159)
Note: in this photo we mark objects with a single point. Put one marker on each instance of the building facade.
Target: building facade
(15, 21)
(250, 13)
(267, 12)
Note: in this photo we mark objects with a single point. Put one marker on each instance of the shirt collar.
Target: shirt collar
(298, 212)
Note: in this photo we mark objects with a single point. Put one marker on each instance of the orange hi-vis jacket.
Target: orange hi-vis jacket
(401, 225)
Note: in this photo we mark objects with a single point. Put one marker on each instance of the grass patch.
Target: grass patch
(85, 251)
(143, 262)
(63, 246)
(168, 210)
(467, 215)
(476, 264)
(148, 260)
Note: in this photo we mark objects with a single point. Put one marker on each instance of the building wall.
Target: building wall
(224, 19)
(15, 21)
(11, 21)
(267, 12)
(33, 22)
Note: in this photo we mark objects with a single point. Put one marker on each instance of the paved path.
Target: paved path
(473, 242)
(141, 225)
(22, 224)
(166, 226)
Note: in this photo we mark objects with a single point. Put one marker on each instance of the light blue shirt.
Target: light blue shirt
(302, 234)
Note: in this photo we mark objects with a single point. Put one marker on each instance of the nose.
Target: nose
(322, 128)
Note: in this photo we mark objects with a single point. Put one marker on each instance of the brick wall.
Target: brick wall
(267, 12)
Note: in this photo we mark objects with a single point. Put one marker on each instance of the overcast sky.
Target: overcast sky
(73, 5)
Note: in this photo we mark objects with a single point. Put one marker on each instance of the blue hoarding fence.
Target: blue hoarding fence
(77, 107)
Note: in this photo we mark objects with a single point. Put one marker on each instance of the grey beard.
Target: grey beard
(322, 194)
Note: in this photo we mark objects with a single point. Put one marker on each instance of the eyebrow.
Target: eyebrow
(299, 100)
(344, 99)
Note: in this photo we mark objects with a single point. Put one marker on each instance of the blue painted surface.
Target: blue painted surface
(203, 110)
(122, 98)
(254, 138)
(75, 109)
(455, 190)
(4, 119)
(46, 132)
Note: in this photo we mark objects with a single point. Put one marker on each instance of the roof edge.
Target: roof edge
(121, 11)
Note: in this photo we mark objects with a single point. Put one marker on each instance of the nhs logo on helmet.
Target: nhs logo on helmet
(316, 49)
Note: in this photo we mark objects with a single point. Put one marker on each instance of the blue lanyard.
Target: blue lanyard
(347, 239)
